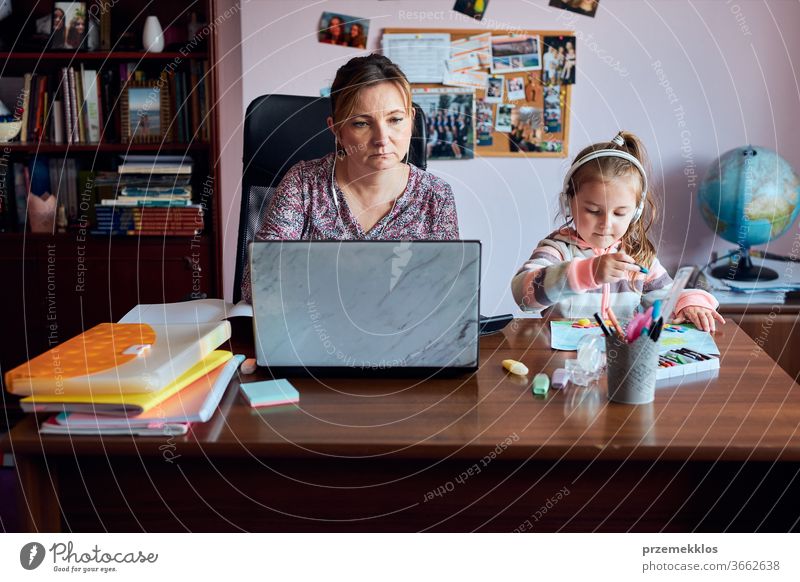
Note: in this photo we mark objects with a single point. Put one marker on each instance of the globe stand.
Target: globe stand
(741, 268)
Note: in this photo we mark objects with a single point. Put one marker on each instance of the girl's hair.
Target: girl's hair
(359, 73)
(634, 241)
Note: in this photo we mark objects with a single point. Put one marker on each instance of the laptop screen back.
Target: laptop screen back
(367, 305)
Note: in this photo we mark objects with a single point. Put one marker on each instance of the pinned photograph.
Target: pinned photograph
(68, 29)
(552, 120)
(484, 123)
(555, 145)
(503, 122)
(495, 89)
(449, 115)
(516, 88)
(526, 129)
(472, 8)
(343, 30)
(553, 97)
(585, 7)
(515, 53)
(559, 60)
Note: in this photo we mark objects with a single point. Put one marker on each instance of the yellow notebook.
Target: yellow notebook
(125, 404)
(118, 358)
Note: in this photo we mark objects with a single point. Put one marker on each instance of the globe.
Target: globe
(749, 197)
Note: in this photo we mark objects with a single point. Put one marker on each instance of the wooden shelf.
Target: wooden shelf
(98, 56)
(44, 148)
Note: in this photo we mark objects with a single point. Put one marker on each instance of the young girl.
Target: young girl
(592, 262)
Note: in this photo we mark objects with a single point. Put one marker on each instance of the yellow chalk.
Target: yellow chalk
(515, 367)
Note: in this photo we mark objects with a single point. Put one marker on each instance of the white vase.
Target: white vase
(153, 35)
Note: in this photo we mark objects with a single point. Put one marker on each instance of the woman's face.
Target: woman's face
(79, 25)
(355, 30)
(58, 19)
(335, 26)
(378, 133)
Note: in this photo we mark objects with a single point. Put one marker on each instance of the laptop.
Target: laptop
(366, 305)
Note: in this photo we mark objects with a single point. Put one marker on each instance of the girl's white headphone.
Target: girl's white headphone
(606, 153)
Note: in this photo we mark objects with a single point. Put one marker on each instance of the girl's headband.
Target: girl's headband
(608, 153)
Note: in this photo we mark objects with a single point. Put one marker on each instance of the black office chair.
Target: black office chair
(279, 131)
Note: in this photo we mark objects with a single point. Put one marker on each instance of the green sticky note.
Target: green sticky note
(269, 393)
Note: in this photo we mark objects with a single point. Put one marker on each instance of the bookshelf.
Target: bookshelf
(57, 284)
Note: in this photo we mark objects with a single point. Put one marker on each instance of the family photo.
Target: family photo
(69, 25)
(343, 30)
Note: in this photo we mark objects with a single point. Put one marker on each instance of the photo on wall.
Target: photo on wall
(516, 88)
(485, 122)
(495, 90)
(503, 119)
(450, 118)
(472, 8)
(343, 30)
(553, 102)
(515, 53)
(560, 60)
(526, 129)
(585, 7)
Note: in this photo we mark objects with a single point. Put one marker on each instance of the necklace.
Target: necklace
(347, 195)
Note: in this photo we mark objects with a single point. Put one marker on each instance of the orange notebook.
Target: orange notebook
(118, 358)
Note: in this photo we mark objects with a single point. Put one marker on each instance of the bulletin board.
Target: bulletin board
(537, 106)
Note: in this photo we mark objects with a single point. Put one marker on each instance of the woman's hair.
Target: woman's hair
(604, 169)
(359, 73)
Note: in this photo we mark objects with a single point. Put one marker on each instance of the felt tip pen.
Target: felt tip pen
(617, 326)
(644, 270)
(602, 325)
(692, 357)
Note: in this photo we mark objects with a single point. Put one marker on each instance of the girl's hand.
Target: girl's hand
(702, 317)
(613, 267)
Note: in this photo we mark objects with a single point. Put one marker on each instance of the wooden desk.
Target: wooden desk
(478, 452)
(775, 328)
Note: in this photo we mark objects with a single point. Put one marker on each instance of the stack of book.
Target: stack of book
(129, 378)
(154, 197)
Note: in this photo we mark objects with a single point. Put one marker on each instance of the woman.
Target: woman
(364, 190)
(334, 34)
(77, 31)
(356, 38)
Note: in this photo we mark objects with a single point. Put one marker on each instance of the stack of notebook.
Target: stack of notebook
(129, 378)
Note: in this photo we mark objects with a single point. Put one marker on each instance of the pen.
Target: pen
(655, 331)
(656, 309)
(688, 355)
(698, 354)
(617, 326)
(602, 325)
(642, 269)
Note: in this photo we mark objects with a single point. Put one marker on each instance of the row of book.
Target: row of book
(149, 220)
(143, 376)
(82, 106)
(161, 184)
(154, 197)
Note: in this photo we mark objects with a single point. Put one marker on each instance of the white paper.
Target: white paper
(198, 311)
(422, 57)
(470, 79)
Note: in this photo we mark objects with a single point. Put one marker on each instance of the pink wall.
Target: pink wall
(727, 64)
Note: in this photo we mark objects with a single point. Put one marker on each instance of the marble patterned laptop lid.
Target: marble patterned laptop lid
(368, 305)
